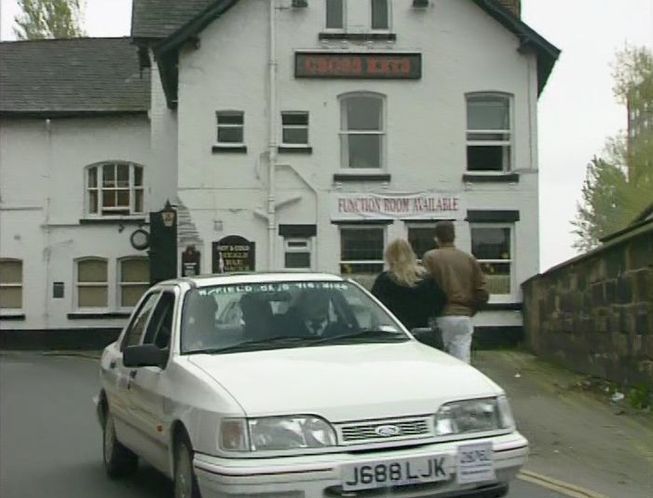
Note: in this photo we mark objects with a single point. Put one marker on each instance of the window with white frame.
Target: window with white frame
(11, 284)
(231, 129)
(335, 14)
(422, 239)
(114, 189)
(92, 283)
(294, 126)
(297, 253)
(134, 278)
(362, 131)
(380, 14)
(492, 247)
(489, 133)
(361, 252)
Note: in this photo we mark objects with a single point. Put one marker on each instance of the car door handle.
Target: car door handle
(132, 374)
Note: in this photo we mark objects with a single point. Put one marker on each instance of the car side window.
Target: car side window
(139, 322)
(159, 328)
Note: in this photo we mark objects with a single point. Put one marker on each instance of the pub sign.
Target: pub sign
(233, 254)
(384, 66)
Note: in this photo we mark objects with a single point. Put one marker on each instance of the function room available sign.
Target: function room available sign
(367, 65)
(415, 206)
(233, 254)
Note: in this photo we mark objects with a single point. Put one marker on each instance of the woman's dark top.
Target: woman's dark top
(413, 306)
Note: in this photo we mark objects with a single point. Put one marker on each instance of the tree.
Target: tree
(49, 19)
(619, 185)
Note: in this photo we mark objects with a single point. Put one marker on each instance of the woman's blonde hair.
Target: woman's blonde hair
(402, 263)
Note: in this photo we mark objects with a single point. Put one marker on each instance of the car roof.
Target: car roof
(253, 278)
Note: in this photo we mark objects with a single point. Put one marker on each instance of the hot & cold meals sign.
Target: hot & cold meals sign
(417, 206)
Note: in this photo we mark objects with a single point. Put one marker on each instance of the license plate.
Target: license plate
(475, 463)
(399, 472)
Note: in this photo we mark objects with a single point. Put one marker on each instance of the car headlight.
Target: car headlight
(475, 415)
(276, 434)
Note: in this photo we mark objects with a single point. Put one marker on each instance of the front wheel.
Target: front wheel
(118, 460)
(185, 481)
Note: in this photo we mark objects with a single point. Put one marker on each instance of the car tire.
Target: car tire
(118, 460)
(185, 482)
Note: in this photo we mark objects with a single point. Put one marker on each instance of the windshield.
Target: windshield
(281, 314)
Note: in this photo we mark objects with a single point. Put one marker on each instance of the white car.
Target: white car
(270, 403)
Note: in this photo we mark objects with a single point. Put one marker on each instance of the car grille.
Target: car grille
(385, 430)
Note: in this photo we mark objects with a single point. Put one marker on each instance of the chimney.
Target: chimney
(513, 6)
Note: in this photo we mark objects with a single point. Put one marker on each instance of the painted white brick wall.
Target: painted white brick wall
(463, 50)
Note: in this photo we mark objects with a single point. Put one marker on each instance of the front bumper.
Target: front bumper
(319, 476)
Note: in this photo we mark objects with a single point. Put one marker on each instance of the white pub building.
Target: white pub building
(287, 134)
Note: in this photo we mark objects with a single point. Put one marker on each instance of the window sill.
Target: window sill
(502, 307)
(361, 177)
(95, 315)
(293, 149)
(370, 36)
(491, 178)
(12, 316)
(107, 220)
(229, 149)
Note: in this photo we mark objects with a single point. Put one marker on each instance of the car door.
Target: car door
(118, 376)
(149, 387)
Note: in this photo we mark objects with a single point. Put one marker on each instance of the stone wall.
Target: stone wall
(594, 314)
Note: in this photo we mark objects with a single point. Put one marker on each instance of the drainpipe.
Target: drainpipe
(272, 138)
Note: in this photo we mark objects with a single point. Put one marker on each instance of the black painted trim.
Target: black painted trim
(362, 177)
(363, 222)
(294, 150)
(297, 230)
(221, 149)
(425, 221)
(492, 216)
(502, 307)
(95, 316)
(358, 36)
(44, 114)
(112, 221)
(78, 339)
(13, 318)
(506, 178)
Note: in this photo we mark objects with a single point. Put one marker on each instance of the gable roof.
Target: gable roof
(153, 20)
(158, 19)
(72, 77)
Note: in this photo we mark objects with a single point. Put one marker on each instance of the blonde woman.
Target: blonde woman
(406, 288)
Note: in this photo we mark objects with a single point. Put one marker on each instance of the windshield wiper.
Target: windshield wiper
(284, 340)
(365, 335)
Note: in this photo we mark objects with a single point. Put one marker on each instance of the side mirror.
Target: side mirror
(145, 355)
(429, 336)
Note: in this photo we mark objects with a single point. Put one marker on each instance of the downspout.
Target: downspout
(272, 138)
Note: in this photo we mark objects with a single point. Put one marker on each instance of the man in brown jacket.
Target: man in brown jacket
(460, 277)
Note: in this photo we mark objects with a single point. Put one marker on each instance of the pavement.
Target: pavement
(580, 442)
(580, 446)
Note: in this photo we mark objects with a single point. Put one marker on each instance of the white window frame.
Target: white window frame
(344, 18)
(98, 188)
(510, 296)
(232, 112)
(79, 285)
(345, 133)
(307, 248)
(14, 285)
(491, 143)
(357, 227)
(120, 284)
(296, 127)
(389, 8)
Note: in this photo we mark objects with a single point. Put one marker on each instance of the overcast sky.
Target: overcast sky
(577, 109)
